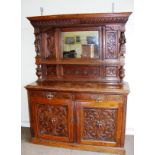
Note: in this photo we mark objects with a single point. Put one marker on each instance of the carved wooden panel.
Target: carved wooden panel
(48, 45)
(111, 71)
(51, 71)
(51, 44)
(37, 41)
(52, 120)
(111, 45)
(99, 124)
(81, 71)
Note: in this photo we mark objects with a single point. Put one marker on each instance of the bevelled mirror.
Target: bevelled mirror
(80, 44)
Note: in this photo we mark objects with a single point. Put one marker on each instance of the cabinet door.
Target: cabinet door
(99, 123)
(54, 120)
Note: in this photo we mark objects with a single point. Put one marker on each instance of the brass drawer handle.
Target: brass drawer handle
(100, 98)
(49, 96)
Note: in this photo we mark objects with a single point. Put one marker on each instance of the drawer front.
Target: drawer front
(50, 95)
(99, 97)
(99, 123)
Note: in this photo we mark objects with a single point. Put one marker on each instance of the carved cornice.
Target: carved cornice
(79, 19)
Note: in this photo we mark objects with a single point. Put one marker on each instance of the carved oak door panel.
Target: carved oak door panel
(99, 123)
(48, 45)
(54, 120)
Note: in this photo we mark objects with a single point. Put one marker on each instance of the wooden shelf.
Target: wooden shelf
(83, 62)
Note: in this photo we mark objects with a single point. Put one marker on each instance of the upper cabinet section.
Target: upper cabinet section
(80, 46)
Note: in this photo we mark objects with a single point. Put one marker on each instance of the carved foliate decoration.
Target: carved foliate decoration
(39, 71)
(99, 124)
(37, 41)
(113, 27)
(122, 44)
(121, 72)
(79, 21)
(103, 20)
(50, 53)
(52, 120)
(111, 71)
(111, 45)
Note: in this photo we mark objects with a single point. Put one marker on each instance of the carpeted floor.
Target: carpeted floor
(33, 149)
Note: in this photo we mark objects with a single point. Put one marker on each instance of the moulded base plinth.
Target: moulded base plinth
(112, 150)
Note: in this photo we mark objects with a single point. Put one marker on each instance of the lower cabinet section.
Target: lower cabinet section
(68, 118)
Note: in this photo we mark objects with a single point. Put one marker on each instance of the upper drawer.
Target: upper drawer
(99, 97)
(50, 95)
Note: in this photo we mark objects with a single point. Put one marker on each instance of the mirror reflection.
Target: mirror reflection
(80, 44)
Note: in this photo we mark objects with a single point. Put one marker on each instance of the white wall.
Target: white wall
(32, 8)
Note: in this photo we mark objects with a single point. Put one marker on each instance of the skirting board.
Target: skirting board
(129, 131)
(111, 150)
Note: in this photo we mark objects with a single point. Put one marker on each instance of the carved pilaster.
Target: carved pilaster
(122, 44)
(39, 71)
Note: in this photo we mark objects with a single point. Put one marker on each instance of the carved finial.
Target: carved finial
(113, 7)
